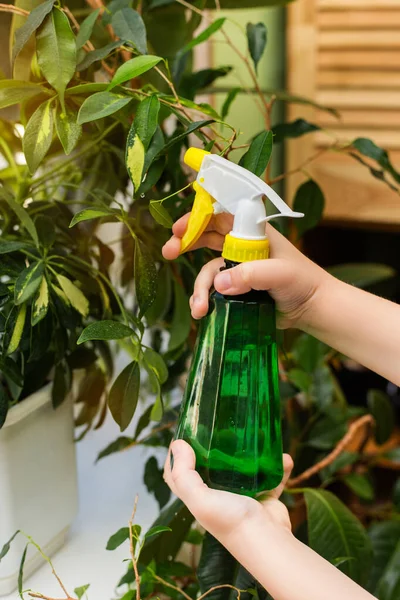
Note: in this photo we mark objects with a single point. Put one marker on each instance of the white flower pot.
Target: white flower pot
(38, 481)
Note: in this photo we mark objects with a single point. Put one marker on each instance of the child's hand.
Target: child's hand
(221, 513)
(290, 278)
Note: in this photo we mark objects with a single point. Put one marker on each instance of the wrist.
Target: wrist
(320, 297)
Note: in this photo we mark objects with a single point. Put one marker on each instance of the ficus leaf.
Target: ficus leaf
(204, 35)
(81, 590)
(134, 157)
(228, 101)
(160, 214)
(257, 157)
(101, 105)
(14, 92)
(157, 530)
(86, 28)
(87, 214)
(192, 128)
(309, 200)
(33, 21)
(382, 410)
(145, 277)
(124, 394)
(56, 51)
(154, 481)
(129, 26)
(118, 538)
(68, 129)
(6, 548)
(256, 41)
(41, 303)
(105, 330)
(368, 148)
(75, 297)
(292, 130)
(155, 361)
(181, 320)
(360, 485)
(21, 573)
(116, 446)
(28, 282)
(146, 119)
(38, 135)
(94, 56)
(133, 68)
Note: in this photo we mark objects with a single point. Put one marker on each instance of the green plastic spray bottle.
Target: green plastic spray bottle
(231, 413)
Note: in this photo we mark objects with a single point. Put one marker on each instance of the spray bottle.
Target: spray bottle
(231, 413)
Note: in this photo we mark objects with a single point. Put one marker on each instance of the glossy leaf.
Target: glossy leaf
(87, 214)
(129, 26)
(18, 328)
(368, 148)
(124, 394)
(154, 481)
(146, 119)
(163, 297)
(116, 446)
(334, 531)
(68, 130)
(193, 127)
(33, 21)
(105, 330)
(81, 590)
(75, 297)
(133, 68)
(156, 530)
(228, 102)
(15, 92)
(46, 231)
(86, 28)
(21, 573)
(6, 548)
(181, 320)
(41, 303)
(155, 361)
(10, 246)
(4, 400)
(134, 157)
(382, 410)
(204, 35)
(38, 135)
(309, 199)
(23, 217)
(385, 538)
(101, 105)
(362, 275)
(256, 41)
(257, 157)
(56, 51)
(293, 129)
(160, 214)
(61, 383)
(145, 278)
(389, 584)
(118, 538)
(28, 282)
(94, 56)
(216, 567)
(360, 485)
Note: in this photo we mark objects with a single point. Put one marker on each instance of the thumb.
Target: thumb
(257, 275)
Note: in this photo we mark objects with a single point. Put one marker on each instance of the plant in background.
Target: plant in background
(107, 106)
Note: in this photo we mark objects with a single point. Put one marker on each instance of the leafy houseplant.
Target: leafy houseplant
(100, 79)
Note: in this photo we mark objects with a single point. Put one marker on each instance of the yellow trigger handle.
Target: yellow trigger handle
(200, 216)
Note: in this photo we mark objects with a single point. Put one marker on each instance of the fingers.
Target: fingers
(257, 275)
(202, 286)
(172, 248)
(183, 480)
(287, 470)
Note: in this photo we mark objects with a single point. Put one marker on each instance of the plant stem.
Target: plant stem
(13, 9)
(173, 587)
(301, 166)
(220, 587)
(132, 551)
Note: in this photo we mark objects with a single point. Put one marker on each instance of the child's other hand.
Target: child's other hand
(290, 278)
(221, 513)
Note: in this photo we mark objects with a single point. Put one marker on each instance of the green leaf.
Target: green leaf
(38, 135)
(116, 446)
(101, 105)
(257, 157)
(156, 530)
(334, 531)
(393, 455)
(56, 51)
(87, 214)
(294, 129)
(134, 157)
(6, 548)
(143, 422)
(118, 538)
(28, 282)
(21, 573)
(23, 217)
(68, 130)
(7, 247)
(228, 101)
(309, 200)
(40, 303)
(160, 214)
(162, 302)
(396, 495)
(133, 68)
(4, 400)
(325, 434)
(256, 41)
(362, 274)
(46, 231)
(156, 362)
(204, 35)
(17, 330)
(129, 26)
(389, 584)
(217, 567)
(86, 28)
(15, 92)
(145, 278)
(157, 410)
(154, 481)
(369, 149)
(382, 410)
(92, 57)
(146, 119)
(81, 590)
(360, 485)
(194, 537)
(124, 394)
(33, 21)
(309, 352)
(61, 384)
(74, 295)
(385, 538)
(343, 460)
(181, 320)
(300, 379)
(195, 126)
(105, 330)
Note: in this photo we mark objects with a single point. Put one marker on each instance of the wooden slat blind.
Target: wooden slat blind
(346, 54)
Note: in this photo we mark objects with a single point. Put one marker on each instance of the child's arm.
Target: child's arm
(362, 326)
(258, 535)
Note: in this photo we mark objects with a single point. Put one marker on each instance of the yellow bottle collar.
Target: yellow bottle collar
(239, 250)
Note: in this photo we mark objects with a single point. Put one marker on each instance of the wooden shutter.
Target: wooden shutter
(346, 54)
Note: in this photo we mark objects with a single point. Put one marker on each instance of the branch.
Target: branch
(173, 587)
(132, 551)
(13, 9)
(220, 587)
(302, 165)
(365, 421)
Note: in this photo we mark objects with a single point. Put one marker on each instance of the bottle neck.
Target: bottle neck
(258, 296)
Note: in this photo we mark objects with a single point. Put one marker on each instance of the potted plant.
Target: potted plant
(108, 104)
